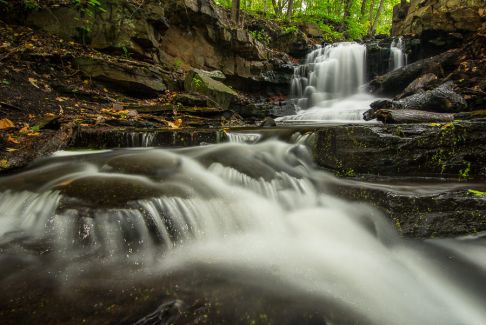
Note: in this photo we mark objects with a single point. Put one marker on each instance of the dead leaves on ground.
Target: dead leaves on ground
(5, 123)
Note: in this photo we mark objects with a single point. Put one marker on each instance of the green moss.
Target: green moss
(477, 193)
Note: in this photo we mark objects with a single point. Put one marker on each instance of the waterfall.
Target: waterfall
(328, 85)
(240, 137)
(261, 215)
(398, 58)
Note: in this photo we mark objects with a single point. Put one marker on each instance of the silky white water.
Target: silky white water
(398, 58)
(261, 213)
(328, 86)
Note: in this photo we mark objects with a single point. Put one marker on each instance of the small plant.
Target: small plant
(197, 83)
(88, 7)
(289, 30)
(31, 4)
(464, 173)
(260, 35)
(178, 62)
(87, 10)
(126, 52)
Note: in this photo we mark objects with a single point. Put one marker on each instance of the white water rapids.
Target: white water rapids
(262, 213)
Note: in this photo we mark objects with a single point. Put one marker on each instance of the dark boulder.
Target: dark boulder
(442, 99)
(395, 82)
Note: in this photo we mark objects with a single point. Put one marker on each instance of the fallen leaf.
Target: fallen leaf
(4, 163)
(5, 123)
(61, 99)
(34, 82)
(25, 129)
(176, 124)
(33, 134)
(11, 149)
(11, 139)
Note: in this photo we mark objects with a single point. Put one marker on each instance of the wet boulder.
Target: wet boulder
(108, 191)
(155, 164)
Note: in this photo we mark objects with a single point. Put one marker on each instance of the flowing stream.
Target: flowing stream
(329, 85)
(229, 234)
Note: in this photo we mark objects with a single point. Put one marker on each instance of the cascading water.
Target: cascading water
(240, 137)
(328, 86)
(398, 58)
(253, 229)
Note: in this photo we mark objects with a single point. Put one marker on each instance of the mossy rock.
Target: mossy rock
(199, 81)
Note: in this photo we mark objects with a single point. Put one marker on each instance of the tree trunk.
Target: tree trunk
(290, 9)
(412, 116)
(370, 15)
(363, 9)
(347, 9)
(235, 11)
(377, 17)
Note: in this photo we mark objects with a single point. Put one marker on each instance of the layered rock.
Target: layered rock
(179, 32)
(452, 16)
(435, 26)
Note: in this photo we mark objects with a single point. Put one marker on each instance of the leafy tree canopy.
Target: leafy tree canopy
(342, 19)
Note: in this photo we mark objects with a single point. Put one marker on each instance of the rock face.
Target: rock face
(137, 79)
(437, 25)
(413, 150)
(377, 57)
(179, 32)
(438, 210)
(452, 16)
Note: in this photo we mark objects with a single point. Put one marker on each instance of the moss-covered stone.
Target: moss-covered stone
(198, 81)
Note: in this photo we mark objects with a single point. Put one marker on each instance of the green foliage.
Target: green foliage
(338, 19)
(31, 4)
(126, 52)
(178, 62)
(464, 173)
(197, 82)
(88, 10)
(355, 30)
(89, 7)
(289, 30)
(329, 34)
(260, 35)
